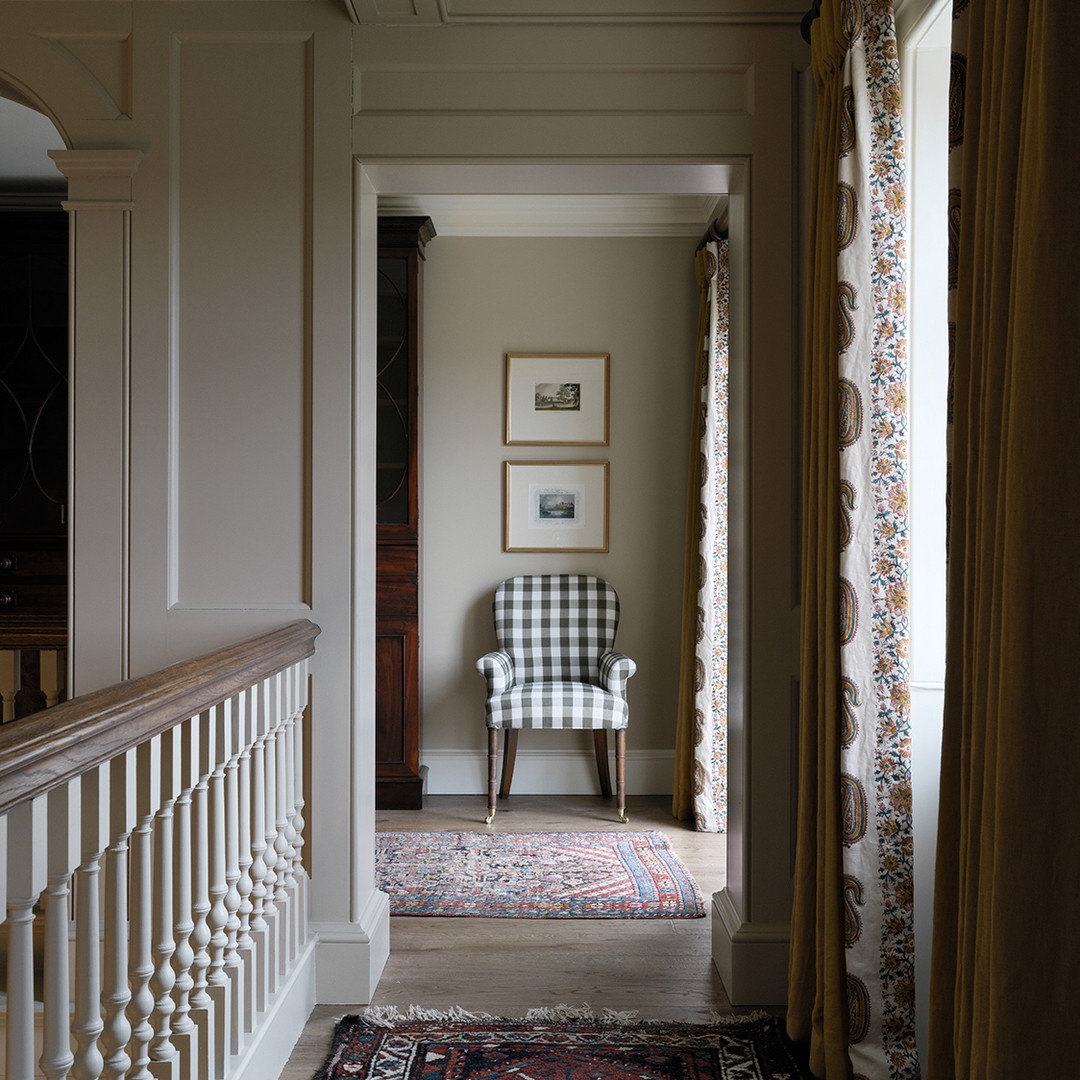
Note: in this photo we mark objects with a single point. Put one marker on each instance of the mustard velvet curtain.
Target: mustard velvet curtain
(817, 994)
(700, 788)
(1007, 888)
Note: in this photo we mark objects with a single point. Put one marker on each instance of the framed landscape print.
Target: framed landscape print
(557, 399)
(555, 506)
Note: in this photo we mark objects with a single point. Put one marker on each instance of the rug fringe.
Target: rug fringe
(736, 1019)
(562, 1014)
(388, 1016)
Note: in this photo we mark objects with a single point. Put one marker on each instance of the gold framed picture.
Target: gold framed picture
(555, 506)
(557, 399)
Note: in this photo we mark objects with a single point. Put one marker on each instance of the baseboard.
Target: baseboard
(547, 772)
(752, 958)
(351, 956)
(282, 1024)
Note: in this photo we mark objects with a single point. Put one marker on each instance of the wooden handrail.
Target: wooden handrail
(42, 751)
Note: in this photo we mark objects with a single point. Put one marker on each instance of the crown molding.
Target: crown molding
(550, 12)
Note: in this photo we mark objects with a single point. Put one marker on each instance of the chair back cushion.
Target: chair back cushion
(556, 626)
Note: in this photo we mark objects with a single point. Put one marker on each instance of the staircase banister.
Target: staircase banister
(48, 748)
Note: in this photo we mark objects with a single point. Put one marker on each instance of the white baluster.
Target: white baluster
(27, 873)
(116, 993)
(64, 836)
(202, 1006)
(289, 794)
(258, 925)
(245, 943)
(86, 1022)
(116, 1028)
(272, 855)
(164, 1059)
(282, 847)
(10, 682)
(52, 675)
(298, 799)
(141, 1005)
(20, 986)
(183, 1027)
(218, 985)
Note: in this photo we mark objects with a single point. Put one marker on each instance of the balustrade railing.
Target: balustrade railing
(151, 842)
(20, 695)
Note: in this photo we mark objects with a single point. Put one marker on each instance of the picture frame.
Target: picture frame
(557, 399)
(555, 506)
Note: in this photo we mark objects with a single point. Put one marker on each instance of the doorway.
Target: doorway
(521, 249)
(497, 227)
(34, 509)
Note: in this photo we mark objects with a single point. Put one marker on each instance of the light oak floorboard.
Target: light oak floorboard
(659, 968)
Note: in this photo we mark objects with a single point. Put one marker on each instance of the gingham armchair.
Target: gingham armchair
(556, 668)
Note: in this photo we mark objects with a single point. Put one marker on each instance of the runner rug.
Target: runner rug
(386, 1045)
(624, 875)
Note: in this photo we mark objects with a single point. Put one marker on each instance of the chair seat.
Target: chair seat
(556, 705)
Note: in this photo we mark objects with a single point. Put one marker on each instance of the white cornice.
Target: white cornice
(447, 12)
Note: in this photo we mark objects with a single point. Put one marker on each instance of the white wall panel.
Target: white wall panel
(647, 89)
(104, 60)
(242, 362)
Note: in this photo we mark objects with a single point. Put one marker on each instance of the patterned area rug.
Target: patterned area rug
(625, 875)
(385, 1045)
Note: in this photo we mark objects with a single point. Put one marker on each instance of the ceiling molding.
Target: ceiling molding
(561, 215)
(550, 12)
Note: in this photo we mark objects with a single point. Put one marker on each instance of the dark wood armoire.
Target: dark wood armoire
(399, 777)
(33, 441)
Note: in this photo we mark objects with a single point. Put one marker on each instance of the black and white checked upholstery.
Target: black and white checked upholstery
(556, 666)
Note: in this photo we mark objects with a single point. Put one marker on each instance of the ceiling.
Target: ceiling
(26, 137)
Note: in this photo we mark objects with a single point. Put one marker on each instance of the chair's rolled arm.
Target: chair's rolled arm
(615, 669)
(498, 669)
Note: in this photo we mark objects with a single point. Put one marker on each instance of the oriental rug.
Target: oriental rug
(623, 875)
(387, 1045)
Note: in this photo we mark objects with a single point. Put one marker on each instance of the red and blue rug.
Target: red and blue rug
(616, 875)
(461, 1046)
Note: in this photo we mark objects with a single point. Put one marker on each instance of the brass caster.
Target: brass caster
(491, 815)
(623, 818)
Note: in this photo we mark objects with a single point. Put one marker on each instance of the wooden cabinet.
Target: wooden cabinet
(399, 777)
(33, 425)
(33, 452)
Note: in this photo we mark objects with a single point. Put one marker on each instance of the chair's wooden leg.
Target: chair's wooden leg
(509, 759)
(620, 773)
(493, 772)
(602, 765)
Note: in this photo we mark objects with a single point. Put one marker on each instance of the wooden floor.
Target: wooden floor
(660, 968)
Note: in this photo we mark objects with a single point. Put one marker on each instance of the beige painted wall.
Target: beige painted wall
(632, 297)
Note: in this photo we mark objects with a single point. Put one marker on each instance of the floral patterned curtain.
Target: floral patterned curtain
(852, 974)
(701, 759)
(875, 743)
